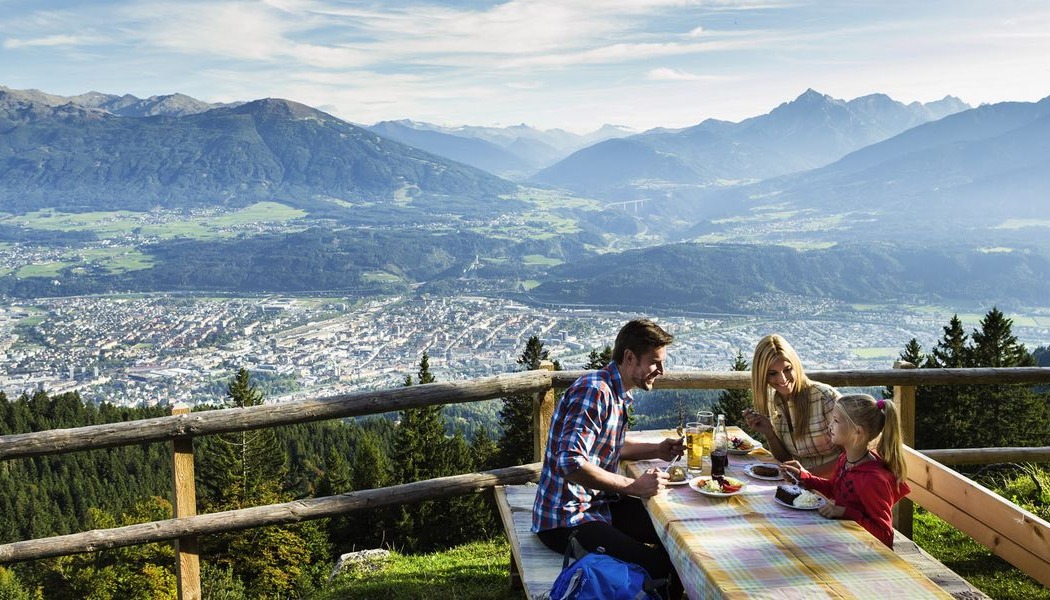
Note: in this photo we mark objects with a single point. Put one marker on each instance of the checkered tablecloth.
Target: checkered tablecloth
(748, 546)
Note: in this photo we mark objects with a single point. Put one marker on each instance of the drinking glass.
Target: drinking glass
(706, 421)
(694, 448)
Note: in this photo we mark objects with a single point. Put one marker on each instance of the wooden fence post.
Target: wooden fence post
(187, 553)
(542, 409)
(904, 398)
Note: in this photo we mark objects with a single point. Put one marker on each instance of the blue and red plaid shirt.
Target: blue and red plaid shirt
(588, 425)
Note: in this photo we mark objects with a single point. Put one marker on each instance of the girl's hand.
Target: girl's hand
(793, 469)
(831, 510)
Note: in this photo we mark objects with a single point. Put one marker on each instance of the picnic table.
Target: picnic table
(749, 546)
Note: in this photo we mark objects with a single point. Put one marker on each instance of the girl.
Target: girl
(865, 484)
(793, 411)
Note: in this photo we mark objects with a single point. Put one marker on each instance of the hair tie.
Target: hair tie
(880, 404)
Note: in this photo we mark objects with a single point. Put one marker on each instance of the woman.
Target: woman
(795, 420)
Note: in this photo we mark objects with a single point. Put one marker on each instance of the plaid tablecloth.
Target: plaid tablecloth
(748, 546)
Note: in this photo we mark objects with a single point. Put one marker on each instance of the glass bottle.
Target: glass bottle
(720, 449)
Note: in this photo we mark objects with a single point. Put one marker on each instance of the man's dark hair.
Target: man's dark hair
(639, 336)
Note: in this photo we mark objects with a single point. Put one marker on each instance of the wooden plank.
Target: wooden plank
(187, 551)
(729, 380)
(536, 564)
(542, 410)
(163, 429)
(1011, 532)
(988, 456)
(271, 514)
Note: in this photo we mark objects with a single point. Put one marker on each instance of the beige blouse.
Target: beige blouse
(814, 447)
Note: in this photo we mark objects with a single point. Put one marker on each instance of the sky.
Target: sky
(570, 64)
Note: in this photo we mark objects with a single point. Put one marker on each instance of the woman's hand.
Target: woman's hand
(758, 422)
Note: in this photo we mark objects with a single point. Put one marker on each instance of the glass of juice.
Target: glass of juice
(706, 420)
(694, 448)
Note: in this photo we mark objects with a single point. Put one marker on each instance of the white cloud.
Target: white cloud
(668, 74)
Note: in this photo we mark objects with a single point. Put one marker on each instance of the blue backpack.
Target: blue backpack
(598, 576)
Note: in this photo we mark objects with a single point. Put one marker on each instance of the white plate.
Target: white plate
(782, 503)
(696, 486)
(750, 473)
(682, 482)
(755, 445)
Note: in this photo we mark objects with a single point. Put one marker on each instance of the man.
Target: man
(580, 488)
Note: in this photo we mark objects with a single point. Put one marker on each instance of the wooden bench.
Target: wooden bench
(948, 580)
(533, 566)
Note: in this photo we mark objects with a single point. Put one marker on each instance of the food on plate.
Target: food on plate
(797, 497)
(765, 470)
(676, 474)
(719, 485)
(739, 443)
(806, 499)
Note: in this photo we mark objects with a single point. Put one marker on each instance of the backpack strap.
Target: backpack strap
(574, 550)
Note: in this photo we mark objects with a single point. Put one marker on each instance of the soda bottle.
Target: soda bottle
(720, 449)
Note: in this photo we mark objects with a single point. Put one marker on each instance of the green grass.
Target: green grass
(539, 259)
(977, 564)
(476, 571)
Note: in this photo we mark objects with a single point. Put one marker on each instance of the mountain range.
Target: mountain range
(809, 132)
(964, 187)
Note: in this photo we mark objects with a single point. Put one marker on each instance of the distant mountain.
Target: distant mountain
(81, 158)
(966, 175)
(737, 277)
(172, 105)
(514, 152)
(809, 132)
(475, 152)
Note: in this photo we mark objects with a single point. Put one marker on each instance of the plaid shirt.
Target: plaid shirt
(814, 446)
(588, 425)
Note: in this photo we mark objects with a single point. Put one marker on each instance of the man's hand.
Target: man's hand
(670, 448)
(647, 485)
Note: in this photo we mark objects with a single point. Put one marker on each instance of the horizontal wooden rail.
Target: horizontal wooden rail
(716, 380)
(1008, 530)
(989, 456)
(160, 429)
(273, 514)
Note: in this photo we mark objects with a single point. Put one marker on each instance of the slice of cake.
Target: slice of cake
(787, 493)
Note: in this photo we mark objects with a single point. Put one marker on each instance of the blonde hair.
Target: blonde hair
(878, 419)
(767, 351)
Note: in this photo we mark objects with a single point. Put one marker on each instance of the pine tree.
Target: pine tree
(515, 416)
(1003, 406)
(943, 414)
(732, 403)
(249, 469)
(598, 360)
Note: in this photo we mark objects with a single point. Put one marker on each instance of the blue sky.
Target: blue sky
(574, 64)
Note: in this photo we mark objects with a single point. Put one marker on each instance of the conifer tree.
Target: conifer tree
(732, 403)
(249, 468)
(598, 360)
(515, 416)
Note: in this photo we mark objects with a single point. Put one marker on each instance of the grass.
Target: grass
(977, 564)
(476, 571)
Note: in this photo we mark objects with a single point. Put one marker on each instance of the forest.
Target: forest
(54, 495)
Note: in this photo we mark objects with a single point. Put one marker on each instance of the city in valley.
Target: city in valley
(168, 349)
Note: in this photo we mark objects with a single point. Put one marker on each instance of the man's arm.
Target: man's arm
(592, 476)
(667, 449)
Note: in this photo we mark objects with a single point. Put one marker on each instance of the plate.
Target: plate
(750, 473)
(697, 483)
(682, 482)
(755, 445)
(782, 503)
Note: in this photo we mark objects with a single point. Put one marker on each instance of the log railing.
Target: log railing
(1013, 533)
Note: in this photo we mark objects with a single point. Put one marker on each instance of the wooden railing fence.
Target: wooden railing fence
(1009, 531)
